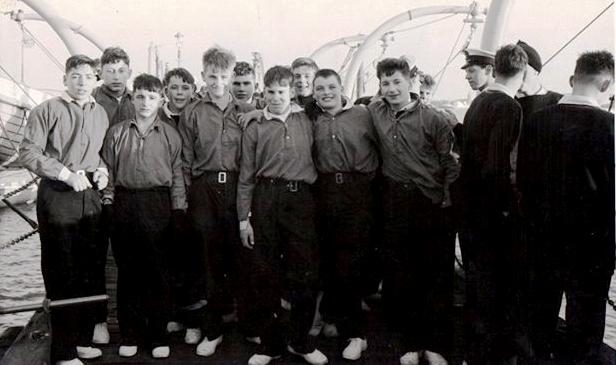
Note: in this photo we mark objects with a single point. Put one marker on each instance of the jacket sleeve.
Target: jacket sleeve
(32, 148)
(189, 134)
(444, 142)
(108, 155)
(178, 187)
(248, 170)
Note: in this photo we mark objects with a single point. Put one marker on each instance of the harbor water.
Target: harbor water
(21, 281)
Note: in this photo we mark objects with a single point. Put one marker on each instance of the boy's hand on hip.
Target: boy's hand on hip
(248, 236)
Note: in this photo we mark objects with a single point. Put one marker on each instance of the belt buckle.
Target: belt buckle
(81, 172)
(339, 178)
(292, 185)
(222, 177)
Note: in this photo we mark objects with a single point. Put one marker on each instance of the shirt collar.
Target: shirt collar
(168, 111)
(501, 88)
(155, 124)
(207, 97)
(578, 100)
(107, 91)
(346, 104)
(412, 104)
(293, 108)
(69, 99)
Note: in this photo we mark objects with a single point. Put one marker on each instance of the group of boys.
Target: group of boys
(228, 196)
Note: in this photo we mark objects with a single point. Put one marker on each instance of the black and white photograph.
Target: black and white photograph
(396, 182)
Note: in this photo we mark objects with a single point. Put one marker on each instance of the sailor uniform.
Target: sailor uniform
(566, 176)
(60, 137)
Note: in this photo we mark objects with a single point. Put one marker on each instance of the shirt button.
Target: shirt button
(333, 136)
(288, 137)
(395, 137)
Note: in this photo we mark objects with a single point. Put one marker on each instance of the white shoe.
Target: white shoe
(88, 352)
(256, 340)
(173, 326)
(260, 359)
(160, 352)
(69, 362)
(354, 348)
(192, 336)
(101, 334)
(207, 347)
(316, 357)
(434, 358)
(329, 330)
(127, 351)
(410, 358)
(285, 304)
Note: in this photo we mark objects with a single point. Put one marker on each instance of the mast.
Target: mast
(496, 21)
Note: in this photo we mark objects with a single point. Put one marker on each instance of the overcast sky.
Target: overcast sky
(284, 29)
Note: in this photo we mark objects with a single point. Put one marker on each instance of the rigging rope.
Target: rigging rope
(18, 239)
(43, 48)
(19, 189)
(577, 34)
(451, 55)
(18, 84)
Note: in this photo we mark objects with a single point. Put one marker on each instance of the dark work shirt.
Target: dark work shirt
(566, 177)
(211, 137)
(59, 134)
(275, 149)
(416, 147)
(167, 116)
(533, 103)
(145, 160)
(345, 142)
(302, 100)
(491, 129)
(118, 110)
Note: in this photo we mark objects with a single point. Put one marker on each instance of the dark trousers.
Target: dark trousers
(69, 228)
(585, 286)
(284, 253)
(344, 220)
(418, 282)
(140, 222)
(213, 212)
(102, 257)
(493, 288)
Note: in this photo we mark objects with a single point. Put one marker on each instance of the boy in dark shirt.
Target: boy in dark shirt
(116, 99)
(276, 175)
(415, 142)
(211, 139)
(566, 176)
(491, 129)
(346, 158)
(180, 90)
(61, 144)
(145, 166)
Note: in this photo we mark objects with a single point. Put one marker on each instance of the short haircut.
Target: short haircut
(327, 72)
(148, 82)
(304, 61)
(243, 69)
(510, 60)
(280, 75)
(427, 81)
(113, 55)
(219, 58)
(78, 60)
(180, 72)
(592, 64)
(389, 66)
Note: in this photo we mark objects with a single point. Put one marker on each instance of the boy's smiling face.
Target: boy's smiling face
(328, 92)
(146, 102)
(277, 97)
(115, 75)
(302, 80)
(396, 89)
(217, 80)
(179, 93)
